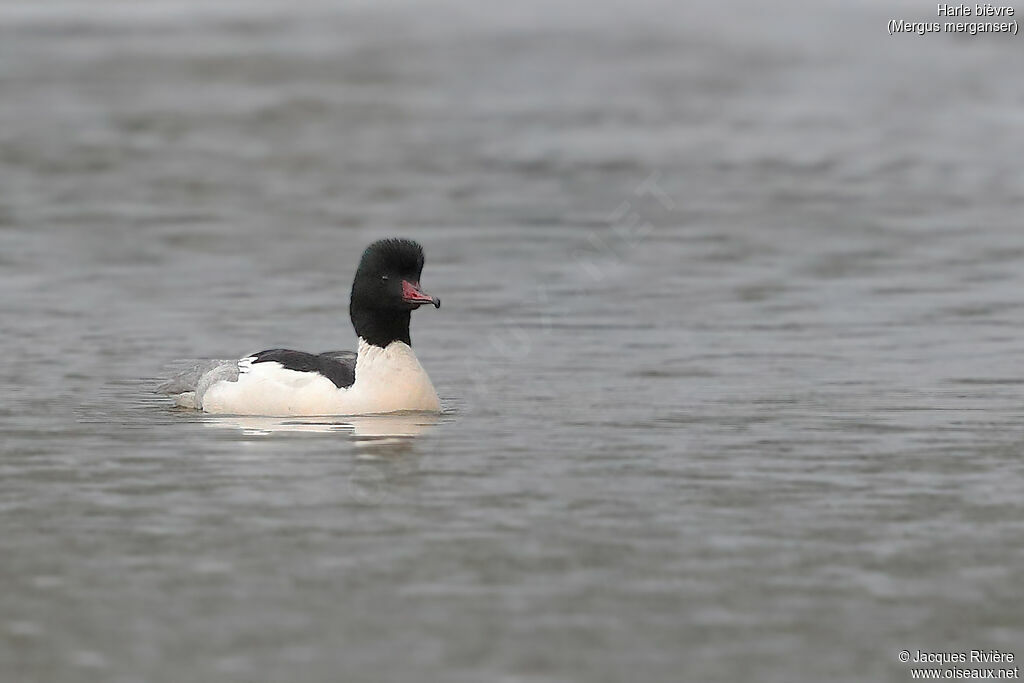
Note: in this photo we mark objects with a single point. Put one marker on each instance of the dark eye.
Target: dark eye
(385, 278)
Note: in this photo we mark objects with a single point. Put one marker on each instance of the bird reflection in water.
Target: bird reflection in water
(384, 468)
(391, 429)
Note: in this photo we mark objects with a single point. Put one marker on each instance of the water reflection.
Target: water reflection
(369, 429)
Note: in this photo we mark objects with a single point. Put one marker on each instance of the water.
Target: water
(730, 350)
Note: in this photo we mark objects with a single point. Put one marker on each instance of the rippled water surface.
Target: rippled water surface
(730, 352)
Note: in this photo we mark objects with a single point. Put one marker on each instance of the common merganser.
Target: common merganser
(384, 376)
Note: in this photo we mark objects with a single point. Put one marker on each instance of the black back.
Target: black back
(337, 366)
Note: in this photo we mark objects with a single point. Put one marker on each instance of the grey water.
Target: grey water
(730, 352)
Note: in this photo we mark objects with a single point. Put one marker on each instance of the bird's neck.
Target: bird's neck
(380, 327)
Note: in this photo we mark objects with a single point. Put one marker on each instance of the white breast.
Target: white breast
(391, 379)
(387, 380)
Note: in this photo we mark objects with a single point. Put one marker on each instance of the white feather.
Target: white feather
(387, 380)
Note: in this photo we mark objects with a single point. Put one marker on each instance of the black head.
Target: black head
(386, 290)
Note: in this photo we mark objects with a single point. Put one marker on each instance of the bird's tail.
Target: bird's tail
(188, 386)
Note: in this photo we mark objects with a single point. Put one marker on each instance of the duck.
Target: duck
(382, 376)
